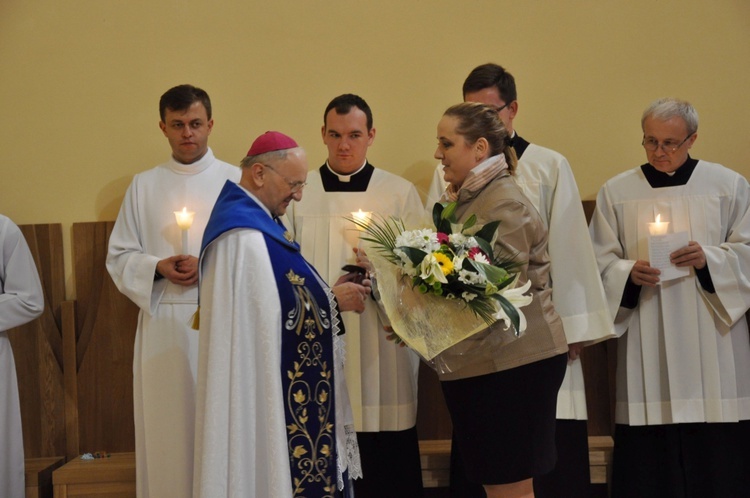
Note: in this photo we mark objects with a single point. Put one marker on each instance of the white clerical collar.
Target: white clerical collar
(192, 168)
(257, 201)
(346, 178)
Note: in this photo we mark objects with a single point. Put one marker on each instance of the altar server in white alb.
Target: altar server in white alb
(273, 416)
(21, 300)
(683, 366)
(545, 177)
(151, 265)
(381, 374)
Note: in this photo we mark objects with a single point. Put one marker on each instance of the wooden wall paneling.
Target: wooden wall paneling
(599, 380)
(105, 329)
(37, 349)
(70, 377)
(433, 419)
(588, 209)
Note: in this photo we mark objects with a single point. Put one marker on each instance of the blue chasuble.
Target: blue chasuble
(307, 363)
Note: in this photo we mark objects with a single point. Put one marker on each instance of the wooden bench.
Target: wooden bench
(435, 456)
(116, 475)
(100, 477)
(600, 458)
(38, 475)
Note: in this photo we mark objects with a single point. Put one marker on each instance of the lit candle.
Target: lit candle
(184, 221)
(658, 227)
(362, 217)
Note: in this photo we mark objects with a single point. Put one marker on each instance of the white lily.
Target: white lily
(431, 270)
(517, 298)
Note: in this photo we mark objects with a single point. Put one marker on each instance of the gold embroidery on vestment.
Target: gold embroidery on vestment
(307, 314)
(295, 279)
(311, 453)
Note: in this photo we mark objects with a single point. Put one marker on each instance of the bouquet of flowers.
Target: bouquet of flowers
(447, 278)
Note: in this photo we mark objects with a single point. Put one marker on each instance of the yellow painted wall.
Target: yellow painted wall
(80, 82)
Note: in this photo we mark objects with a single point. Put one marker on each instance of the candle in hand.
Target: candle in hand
(658, 227)
(362, 219)
(184, 221)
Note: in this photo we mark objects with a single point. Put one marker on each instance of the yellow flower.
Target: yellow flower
(299, 396)
(446, 265)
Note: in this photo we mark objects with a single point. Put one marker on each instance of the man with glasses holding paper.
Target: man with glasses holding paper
(683, 368)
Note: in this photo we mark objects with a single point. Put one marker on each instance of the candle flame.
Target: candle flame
(184, 218)
(363, 217)
(658, 227)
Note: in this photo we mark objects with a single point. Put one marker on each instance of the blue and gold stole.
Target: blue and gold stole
(307, 364)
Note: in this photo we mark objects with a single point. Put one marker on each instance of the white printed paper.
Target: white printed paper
(659, 249)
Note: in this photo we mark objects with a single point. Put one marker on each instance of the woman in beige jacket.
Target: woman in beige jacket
(502, 399)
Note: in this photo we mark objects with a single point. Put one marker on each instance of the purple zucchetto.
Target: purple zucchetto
(271, 141)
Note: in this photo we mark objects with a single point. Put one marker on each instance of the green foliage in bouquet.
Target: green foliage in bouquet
(452, 261)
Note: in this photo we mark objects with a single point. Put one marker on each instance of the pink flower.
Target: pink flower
(442, 238)
(474, 251)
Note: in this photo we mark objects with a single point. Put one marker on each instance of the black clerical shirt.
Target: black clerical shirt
(358, 182)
